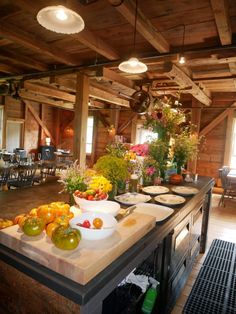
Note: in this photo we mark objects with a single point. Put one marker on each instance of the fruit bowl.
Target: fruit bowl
(107, 229)
(83, 198)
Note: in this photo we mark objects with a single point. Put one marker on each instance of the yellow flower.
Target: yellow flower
(100, 183)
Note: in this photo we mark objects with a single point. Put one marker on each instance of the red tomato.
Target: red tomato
(86, 224)
(90, 198)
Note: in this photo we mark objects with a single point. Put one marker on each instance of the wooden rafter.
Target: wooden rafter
(221, 13)
(6, 68)
(103, 119)
(35, 44)
(184, 81)
(40, 122)
(144, 26)
(217, 120)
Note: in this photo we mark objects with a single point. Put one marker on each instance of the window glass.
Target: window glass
(89, 140)
(233, 154)
(144, 135)
(1, 126)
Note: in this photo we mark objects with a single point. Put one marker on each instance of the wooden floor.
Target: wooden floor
(222, 226)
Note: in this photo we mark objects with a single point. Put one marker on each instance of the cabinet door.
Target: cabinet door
(196, 224)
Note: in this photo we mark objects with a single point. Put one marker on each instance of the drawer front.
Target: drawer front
(180, 242)
(197, 222)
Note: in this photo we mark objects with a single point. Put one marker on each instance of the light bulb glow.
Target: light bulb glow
(61, 15)
(133, 62)
(182, 60)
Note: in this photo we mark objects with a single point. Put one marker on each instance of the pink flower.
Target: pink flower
(140, 149)
(150, 171)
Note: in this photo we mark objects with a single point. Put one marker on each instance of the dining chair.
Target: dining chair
(4, 176)
(226, 184)
(48, 169)
(23, 176)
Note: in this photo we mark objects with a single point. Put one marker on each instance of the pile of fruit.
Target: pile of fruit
(91, 195)
(97, 224)
(53, 217)
(4, 223)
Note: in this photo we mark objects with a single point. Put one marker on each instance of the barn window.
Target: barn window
(233, 151)
(89, 140)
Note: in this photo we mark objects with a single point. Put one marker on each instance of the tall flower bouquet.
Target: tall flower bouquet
(163, 119)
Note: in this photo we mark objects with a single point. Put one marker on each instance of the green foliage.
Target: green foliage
(112, 168)
(158, 150)
(116, 149)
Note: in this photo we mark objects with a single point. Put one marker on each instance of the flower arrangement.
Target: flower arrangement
(112, 168)
(159, 151)
(117, 149)
(149, 170)
(74, 178)
(140, 149)
(163, 119)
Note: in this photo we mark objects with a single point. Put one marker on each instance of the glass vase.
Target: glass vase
(113, 192)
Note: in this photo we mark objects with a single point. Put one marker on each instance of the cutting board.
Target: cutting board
(89, 258)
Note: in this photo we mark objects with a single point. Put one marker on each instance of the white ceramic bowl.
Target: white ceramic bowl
(81, 201)
(108, 228)
(107, 207)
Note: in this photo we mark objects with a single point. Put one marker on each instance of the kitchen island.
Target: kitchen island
(175, 241)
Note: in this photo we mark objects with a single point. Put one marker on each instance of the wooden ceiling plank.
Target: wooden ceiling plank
(40, 122)
(183, 80)
(222, 19)
(144, 26)
(26, 61)
(49, 91)
(6, 68)
(35, 44)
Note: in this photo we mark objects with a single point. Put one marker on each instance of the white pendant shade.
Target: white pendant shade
(133, 66)
(59, 19)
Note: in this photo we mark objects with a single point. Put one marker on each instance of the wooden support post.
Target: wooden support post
(81, 118)
(41, 133)
(228, 138)
(196, 120)
(25, 124)
(5, 116)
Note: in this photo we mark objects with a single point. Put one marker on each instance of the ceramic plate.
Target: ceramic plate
(185, 190)
(158, 211)
(132, 198)
(155, 189)
(170, 199)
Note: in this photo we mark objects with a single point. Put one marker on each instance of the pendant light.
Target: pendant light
(60, 19)
(133, 65)
(181, 56)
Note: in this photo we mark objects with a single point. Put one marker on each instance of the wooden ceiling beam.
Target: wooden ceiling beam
(184, 81)
(28, 62)
(111, 75)
(144, 26)
(35, 44)
(222, 19)
(49, 91)
(44, 100)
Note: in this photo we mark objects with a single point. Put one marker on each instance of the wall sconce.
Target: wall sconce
(111, 130)
(48, 141)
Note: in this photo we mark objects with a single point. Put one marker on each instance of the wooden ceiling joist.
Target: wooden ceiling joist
(6, 68)
(221, 13)
(144, 26)
(35, 44)
(184, 81)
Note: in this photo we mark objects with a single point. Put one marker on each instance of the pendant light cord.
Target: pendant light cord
(183, 40)
(135, 26)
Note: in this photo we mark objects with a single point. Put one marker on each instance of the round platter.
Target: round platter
(170, 199)
(185, 190)
(132, 198)
(155, 189)
(158, 211)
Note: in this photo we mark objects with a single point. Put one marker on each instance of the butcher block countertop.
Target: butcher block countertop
(89, 258)
(90, 272)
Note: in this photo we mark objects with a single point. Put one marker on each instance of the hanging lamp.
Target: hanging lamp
(133, 65)
(60, 19)
(182, 59)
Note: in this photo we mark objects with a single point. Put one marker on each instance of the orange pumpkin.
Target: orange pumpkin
(176, 179)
